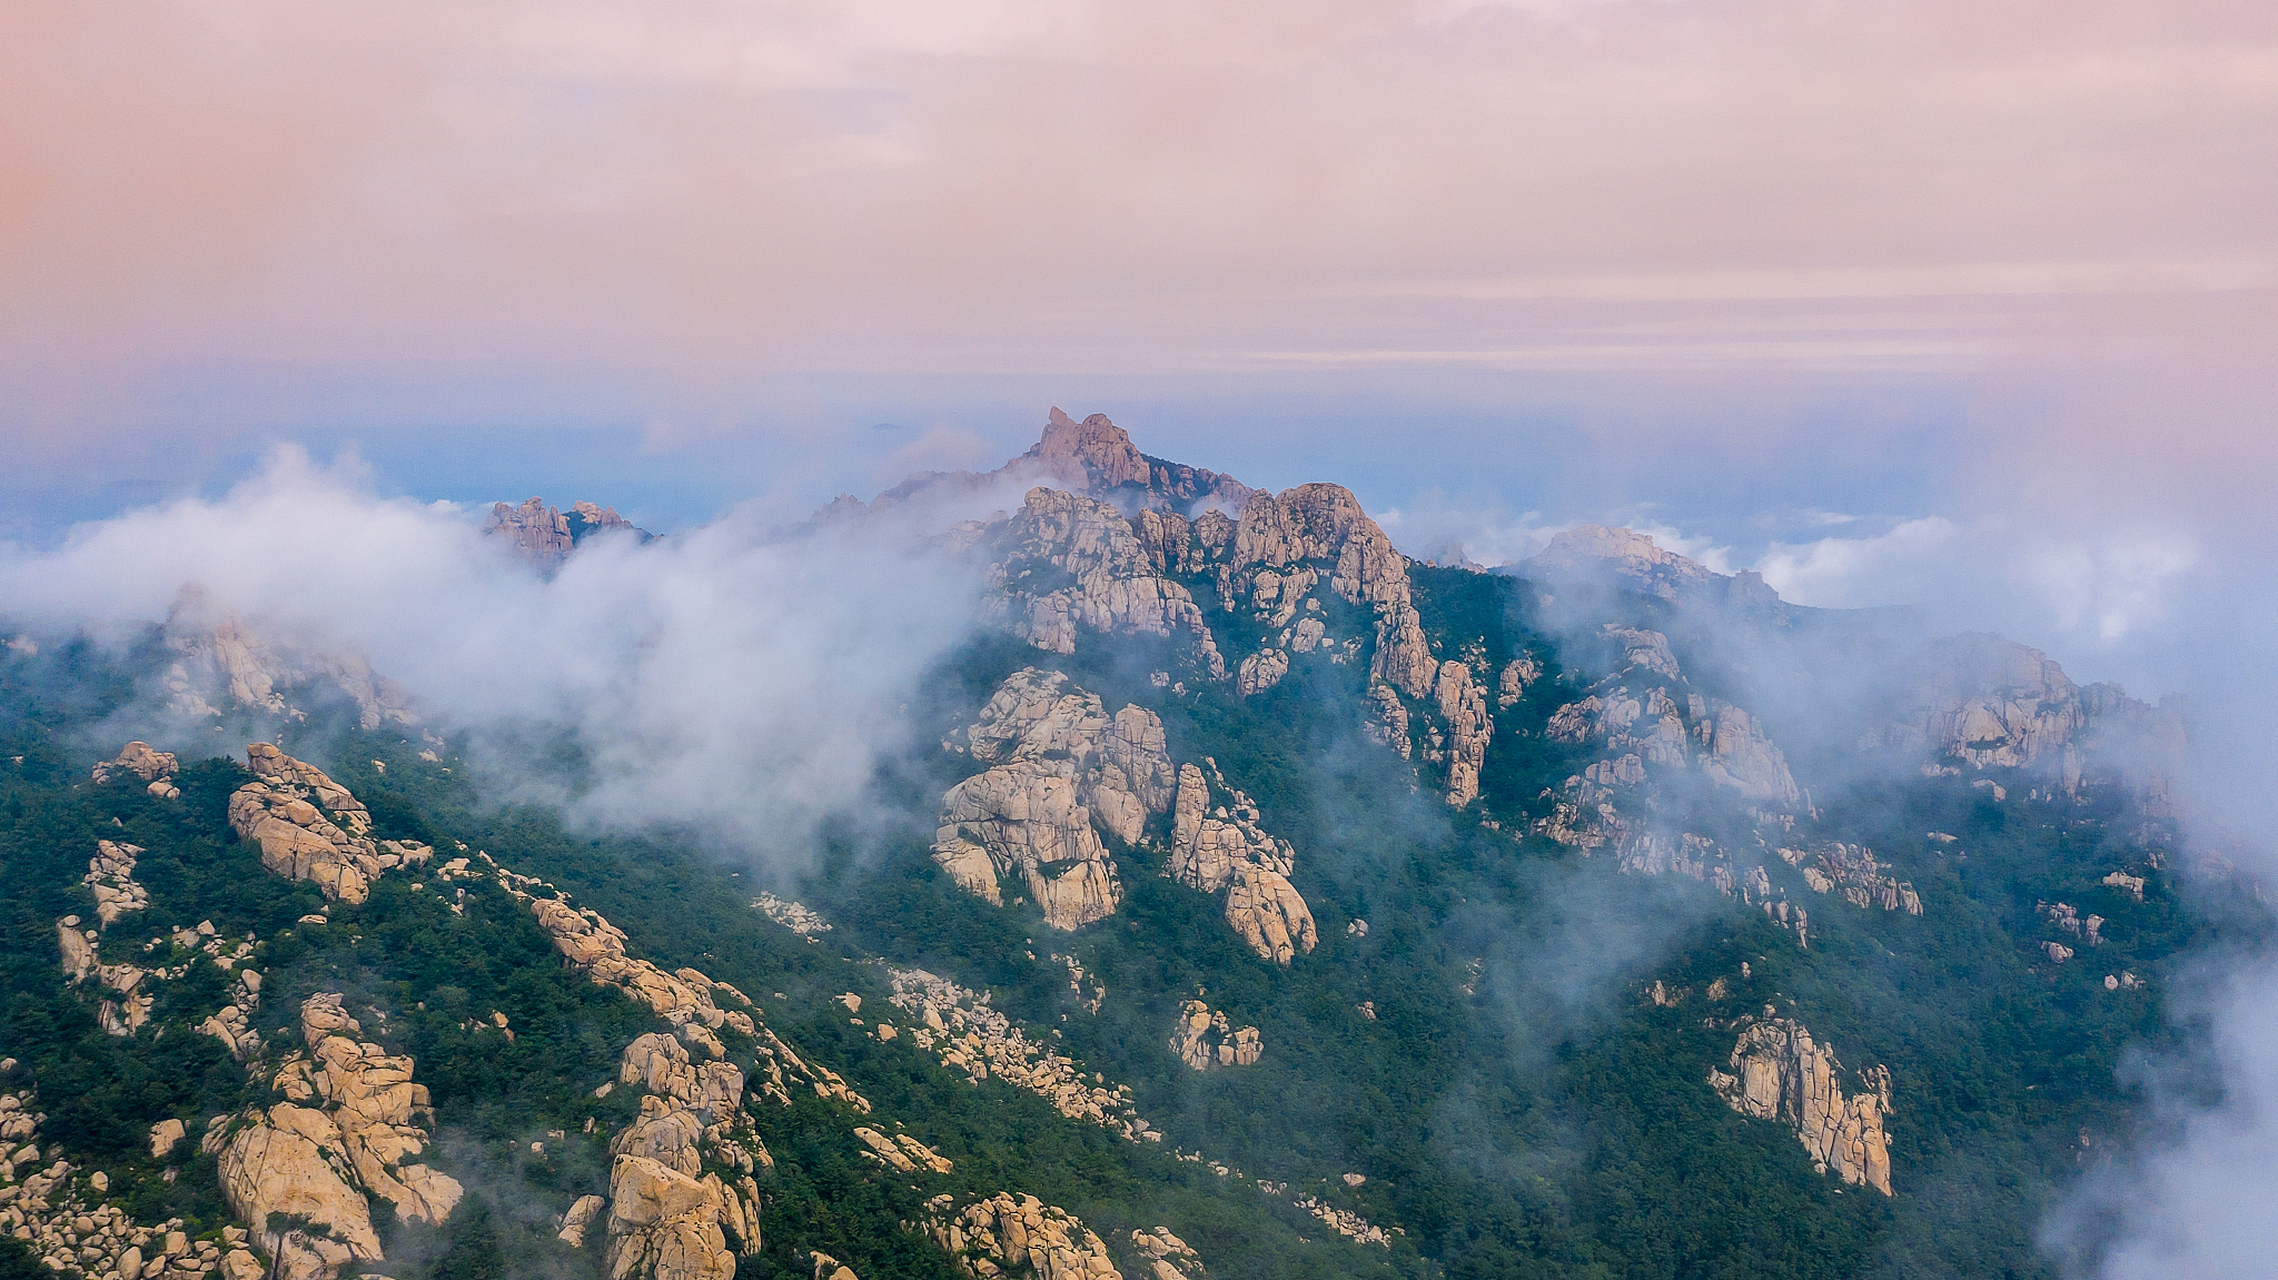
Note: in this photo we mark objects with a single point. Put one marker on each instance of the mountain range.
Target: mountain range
(1245, 899)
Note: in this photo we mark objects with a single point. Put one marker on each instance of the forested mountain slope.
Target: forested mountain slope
(1247, 900)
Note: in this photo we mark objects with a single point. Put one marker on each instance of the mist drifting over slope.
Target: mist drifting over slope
(738, 680)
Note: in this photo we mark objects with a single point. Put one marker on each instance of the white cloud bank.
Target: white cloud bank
(733, 680)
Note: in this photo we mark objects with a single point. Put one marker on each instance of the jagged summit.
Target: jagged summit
(1634, 560)
(1095, 458)
(547, 535)
(1092, 454)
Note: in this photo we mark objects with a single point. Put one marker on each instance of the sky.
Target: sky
(1970, 304)
(1757, 273)
(1932, 302)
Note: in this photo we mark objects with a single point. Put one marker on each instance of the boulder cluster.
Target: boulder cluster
(1008, 1235)
(1851, 872)
(155, 768)
(668, 1218)
(1779, 1073)
(1168, 1257)
(1061, 772)
(1203, 1038)
(349, 1129)
(110, 880)
(798, 917)
(57, 1211)
(959, 1027)
(309, 827)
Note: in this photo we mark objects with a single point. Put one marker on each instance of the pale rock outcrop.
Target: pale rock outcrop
(542, 534)
(288, 1160)
(664, 1224)
(1168, 540)
(536, 530)
(155, 768)
(2065, 916)
(1120, 762)
(1463, 708)
(677, 1216)
(328, 845)
(958, 1026)
(2133, 886)
(1741, 755)
(1005, 1235)
(798, 917)
(1026, 818)
(586, 519)
(110, 877)
(1992, 703)
(1631, 560)
(380, 1114)
(220, 662)
(1390, 724)
(1219, 846)
(232, 1024)
(1062, 764)
(1646, 650)
(1070, 564)
(66, 1216)
(683, 998)
(1261, 671)
(1269, 914)
(1089, 455)
(579, 1219)
(1094, 457)
(1097, 457)
(1168, 1257)
(166, 1135)
(1851, 872)
(1203, 1038)
(1518, 673)
(1317, 523)
(592, 944)
(132, 983)
(901, 1152)
(1779, 1073)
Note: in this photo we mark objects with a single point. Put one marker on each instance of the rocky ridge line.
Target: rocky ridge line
(1004, 1235)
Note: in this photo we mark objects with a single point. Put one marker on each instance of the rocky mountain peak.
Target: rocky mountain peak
(1632, 560)
(1092, 454)
(548, 534)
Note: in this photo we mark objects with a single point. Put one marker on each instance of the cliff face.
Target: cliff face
(1781, 1074)
(219, 665)
(1062, 771)
(1060, 765)
(1985, 702)
(310, 828)
(1066, 566)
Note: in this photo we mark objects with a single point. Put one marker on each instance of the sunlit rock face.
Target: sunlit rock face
(1063, 771)
(1779, 1073)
